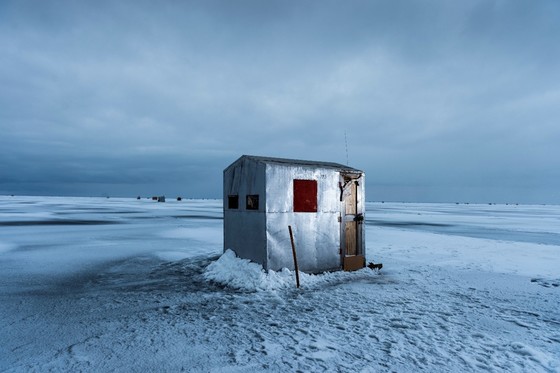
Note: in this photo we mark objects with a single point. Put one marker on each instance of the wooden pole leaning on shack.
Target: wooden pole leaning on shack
(295, 256)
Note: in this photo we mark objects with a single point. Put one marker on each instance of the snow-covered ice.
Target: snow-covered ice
(95, 284)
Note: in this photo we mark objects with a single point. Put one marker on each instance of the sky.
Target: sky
(436, 100)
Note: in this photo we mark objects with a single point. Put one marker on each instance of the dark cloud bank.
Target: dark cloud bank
(439, 100)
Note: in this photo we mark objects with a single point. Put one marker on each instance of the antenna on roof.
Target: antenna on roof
(346, 145)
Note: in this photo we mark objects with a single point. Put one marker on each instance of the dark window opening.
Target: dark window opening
(305, 195)
(233, 202)
(253, 202)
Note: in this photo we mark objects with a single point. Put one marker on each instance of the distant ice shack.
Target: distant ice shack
(323, 202)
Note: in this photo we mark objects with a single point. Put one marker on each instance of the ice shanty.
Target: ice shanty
(323, 202)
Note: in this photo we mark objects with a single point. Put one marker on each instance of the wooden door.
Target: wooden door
(352, 257)
(350, 224)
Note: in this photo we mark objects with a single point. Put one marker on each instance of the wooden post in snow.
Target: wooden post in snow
(295, 256)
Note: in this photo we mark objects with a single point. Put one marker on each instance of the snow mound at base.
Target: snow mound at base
(242, 274)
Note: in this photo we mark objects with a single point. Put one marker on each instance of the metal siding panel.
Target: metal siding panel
(245, 234)
(245, 231)
(316, 235)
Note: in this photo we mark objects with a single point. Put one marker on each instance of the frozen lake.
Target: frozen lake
(95, 284)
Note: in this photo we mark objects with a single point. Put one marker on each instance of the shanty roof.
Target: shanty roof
(298, 162)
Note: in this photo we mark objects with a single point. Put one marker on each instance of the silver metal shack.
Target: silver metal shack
(323, 202)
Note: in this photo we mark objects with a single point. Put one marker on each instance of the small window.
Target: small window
(233, 202)
(253, 202)
(305, 195)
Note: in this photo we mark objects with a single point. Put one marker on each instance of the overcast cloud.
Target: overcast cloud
(440, 100)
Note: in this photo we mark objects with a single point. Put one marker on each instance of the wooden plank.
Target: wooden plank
(350, 232)
(353, 263)
(350, 199)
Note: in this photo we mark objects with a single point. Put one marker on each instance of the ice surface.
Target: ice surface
(91, 284)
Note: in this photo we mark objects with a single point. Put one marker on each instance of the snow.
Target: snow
(242, 274)
(96, 284)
